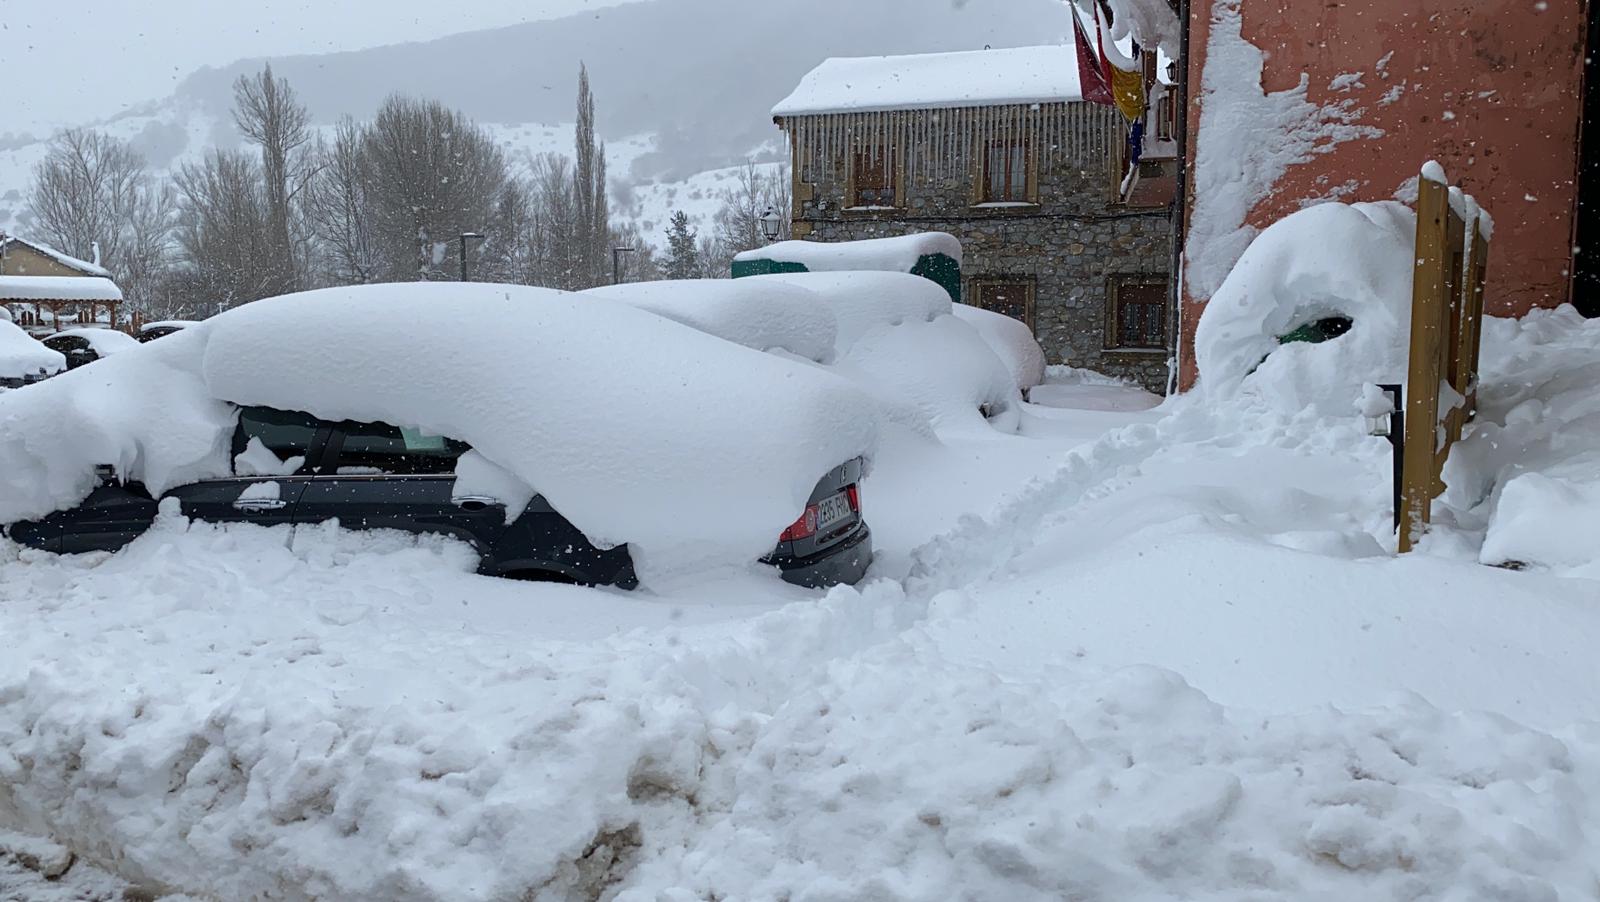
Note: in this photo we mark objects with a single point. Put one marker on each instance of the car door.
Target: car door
(378, 476)
(276, 454)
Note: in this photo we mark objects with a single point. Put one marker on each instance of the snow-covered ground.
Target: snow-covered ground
(1131, 652)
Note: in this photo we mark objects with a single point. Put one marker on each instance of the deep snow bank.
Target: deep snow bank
(1330, 260)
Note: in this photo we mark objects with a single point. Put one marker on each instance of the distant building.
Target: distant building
(999, 148)
(45, 290)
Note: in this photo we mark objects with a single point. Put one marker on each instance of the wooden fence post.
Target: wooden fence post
(1446, 330)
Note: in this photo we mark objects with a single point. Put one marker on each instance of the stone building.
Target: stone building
(998, 148)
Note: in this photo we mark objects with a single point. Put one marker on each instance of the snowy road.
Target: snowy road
(249, 714)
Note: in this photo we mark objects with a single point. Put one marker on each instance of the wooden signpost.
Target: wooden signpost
(1446, 326)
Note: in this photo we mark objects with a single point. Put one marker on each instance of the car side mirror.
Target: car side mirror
(107, 474)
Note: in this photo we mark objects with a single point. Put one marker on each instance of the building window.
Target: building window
(1005, 172)
(872, 178)
(1164, 117)
(1009, 297)
(1137, 313)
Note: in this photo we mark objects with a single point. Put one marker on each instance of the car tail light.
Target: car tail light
(855, 497)
(803, 528)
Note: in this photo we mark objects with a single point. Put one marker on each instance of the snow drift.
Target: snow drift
(762, 315)
(638, 430)
(1330, 260)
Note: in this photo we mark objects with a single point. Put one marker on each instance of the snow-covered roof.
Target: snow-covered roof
(65, 259)
(1046, 74)
(58, 288)
(897, 254)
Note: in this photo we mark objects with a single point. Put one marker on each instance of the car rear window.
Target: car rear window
(378, 448)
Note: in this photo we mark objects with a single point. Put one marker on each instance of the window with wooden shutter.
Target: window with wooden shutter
(1008, 297)
(1137, 313)
(1005, 172)
(872, 178)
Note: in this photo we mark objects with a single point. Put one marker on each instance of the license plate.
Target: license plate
(833, 511)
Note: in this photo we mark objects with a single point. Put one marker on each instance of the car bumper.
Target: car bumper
(845, 563)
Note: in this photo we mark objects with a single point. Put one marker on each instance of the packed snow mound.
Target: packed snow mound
(762, 315)
(104, 342)
(897, 254)
(21, 355)
(1010, 339)
(1331, 260)
(693, 450)
(147, 412)
(865, 301)
(1528, 467)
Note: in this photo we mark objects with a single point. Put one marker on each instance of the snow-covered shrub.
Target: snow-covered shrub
(1326, 262)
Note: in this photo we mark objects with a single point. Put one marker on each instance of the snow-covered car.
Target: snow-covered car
(160, 328)
(892, 334)
(563, 437)
(81, 346)
(23, 359)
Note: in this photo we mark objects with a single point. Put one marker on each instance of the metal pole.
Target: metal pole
(1397, 440)
(616, 271)
(463, 258)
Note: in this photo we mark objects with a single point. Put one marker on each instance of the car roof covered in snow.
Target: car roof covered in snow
(21, 354)
(103, 341)
(763, 315)
(1017, 75)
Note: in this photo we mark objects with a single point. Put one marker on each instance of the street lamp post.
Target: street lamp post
(616, 262)
(771, 224)
(463, 237)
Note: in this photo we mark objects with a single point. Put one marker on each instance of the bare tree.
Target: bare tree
(268, 114)
(92, 190)
(223, 233)
(431, 175)
(338, 209)
(739, 220)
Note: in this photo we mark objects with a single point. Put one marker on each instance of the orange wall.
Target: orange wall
(1509, 74)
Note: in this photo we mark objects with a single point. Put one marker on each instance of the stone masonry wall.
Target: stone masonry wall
(1071, 243)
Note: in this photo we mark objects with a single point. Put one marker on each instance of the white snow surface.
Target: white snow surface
(1010, 339)
(104, 342)
(58, 288)
(863, 302)
(758, 314)
(1047, 74)
(21, 354)
(1332, 259)
(895, 254)
(313, 713)
(694, 450)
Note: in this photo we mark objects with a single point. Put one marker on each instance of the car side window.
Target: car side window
(286, 433)
(67, 344)
(378, 448)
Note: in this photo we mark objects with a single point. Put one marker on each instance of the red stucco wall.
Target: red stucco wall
(1509, 74)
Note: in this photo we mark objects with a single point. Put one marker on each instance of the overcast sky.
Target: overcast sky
(72, 62)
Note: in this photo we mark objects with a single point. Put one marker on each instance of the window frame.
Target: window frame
(980, 285)
(891, 169)
(1115, 285)
(1030, 175)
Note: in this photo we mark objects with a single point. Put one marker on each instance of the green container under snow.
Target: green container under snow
(935, 256)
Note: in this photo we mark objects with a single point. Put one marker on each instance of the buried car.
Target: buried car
(439, 408)
(81, 346)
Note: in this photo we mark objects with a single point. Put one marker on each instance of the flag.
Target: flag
(1094, 80)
